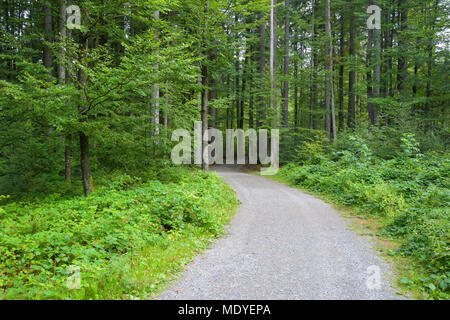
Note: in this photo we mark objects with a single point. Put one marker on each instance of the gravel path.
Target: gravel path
(282, 244)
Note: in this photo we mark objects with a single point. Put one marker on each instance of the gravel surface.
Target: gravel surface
(282, 244)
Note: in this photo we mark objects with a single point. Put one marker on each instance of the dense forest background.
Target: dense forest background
(112, 92)
(82, 106)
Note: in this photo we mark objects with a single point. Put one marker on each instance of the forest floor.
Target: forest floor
(284, 244)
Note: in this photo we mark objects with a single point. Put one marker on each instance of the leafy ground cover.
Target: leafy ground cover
(128, 239)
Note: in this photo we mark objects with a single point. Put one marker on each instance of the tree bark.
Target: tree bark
(88, 185)
(262, 70)
(62, 32)
(285, 114)
(296, 104)
(156, 94)
(85, 165)
(204, 114)
(62, 80)
(273, 62)
(376, 73)
(352, 75)
(330, 124)
(369, 67)
(341, 74)
(47, 55)
(314, 64)
(402, 43)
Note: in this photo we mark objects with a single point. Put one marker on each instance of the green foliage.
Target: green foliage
(409, 194)
(40, 240)
(410, 146)
(312, 149)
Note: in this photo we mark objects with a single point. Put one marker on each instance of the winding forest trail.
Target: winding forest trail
(282, 244)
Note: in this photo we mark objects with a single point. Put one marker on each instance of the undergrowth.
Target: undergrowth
(127, 239)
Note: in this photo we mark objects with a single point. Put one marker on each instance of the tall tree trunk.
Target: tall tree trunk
(430, 60)
(430, 49)
(352, 75)
(388, 46)
(155, 93)
(402, 43)
(213, 92)
(296, 105)
(204, 114)
(62, 32)
(251, 117)
(273, 61)
(329, 86)
(88, 186)
(62, 80)
(262, 70)
(285, 114)
(369, 72)
(314, 64)
(245, 72)
(205, 97)
(376, 73)
(47, 55)
(341, 74)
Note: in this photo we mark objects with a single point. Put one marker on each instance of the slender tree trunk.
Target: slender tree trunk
(262, 70)
(251, 117)
(62, 32)
(327, 71)
(62, 80)
(369, 73)
(85, 165)
(67, 157)
(205, 98)
(402, 43)
(376, 73)
(352, 75)
(314, 64)
(205, 165)
(430, 60)
(333, 101)
(285, 114)
(341, 74)
(273, 62)
(243, 90)
(330, 124)
(296, 111)
(47, 55)
(388, 45)
(88, 185)
(213, 93)
(155, 94)
(428, 90)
